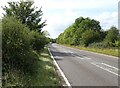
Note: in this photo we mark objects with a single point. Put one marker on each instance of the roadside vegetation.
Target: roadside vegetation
(107, 51)
(46, 74)
(87, 34)
(25, 61)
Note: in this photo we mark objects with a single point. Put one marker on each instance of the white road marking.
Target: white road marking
(61, 72)
(79, 57)
(76, 56)
(89, 51)
(82, 58)
(69, 52)
(87, 58)
(58, 57)
(110, 66)
(105, 69)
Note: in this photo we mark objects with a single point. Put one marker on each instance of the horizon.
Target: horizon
(61, 14)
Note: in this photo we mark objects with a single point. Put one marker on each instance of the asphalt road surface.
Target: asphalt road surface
(84, 68)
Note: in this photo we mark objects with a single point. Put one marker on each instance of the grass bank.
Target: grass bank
(44, 74)
(112, 52)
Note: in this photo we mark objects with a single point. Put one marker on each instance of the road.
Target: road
(84, 68)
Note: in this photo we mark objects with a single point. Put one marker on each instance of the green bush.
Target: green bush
(15, 40)
(99, 45)
(117, 43)
(112, 36)
(89, 36)
(17, 49)
(103, 45)
(38, 40)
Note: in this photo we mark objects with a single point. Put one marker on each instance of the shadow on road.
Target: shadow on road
(63, 55)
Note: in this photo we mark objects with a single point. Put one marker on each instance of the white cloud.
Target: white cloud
(57, 22)
(61, 13)
(108, 19)
(76, 4)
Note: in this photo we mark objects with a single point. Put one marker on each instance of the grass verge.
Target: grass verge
(112, 52)
(46, 74)
(43, 73)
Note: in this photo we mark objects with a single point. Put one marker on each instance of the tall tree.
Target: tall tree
(27, 13)
(79, 30)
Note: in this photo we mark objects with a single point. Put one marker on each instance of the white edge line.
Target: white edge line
(62, 74)
(106, 69)
(110, 66)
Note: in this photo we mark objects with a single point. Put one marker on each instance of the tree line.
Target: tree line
(22, 38)
(88, 32)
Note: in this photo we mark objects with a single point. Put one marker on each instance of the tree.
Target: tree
(60, 38)
(84, 24)
(88, 23)
(21, 38)
(112, 36)
(26, 13)
(89, 36)
(78, 21)
(74, 33)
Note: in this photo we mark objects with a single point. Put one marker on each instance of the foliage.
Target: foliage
(18, 45)
(73, 35)
(90, 36)
(27, 13)
(38, 40)
(101, 45)
(88, 32)
(60, 39)
(112, 36)
(46, 74)
(87, 23)
(22, 38)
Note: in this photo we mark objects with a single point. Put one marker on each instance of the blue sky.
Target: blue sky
(61, 13)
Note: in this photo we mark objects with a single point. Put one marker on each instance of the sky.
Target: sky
(60, 14)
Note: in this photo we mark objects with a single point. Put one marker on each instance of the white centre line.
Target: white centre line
(58, 57)
(110, 66)
(105, 69)
(87, 58)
